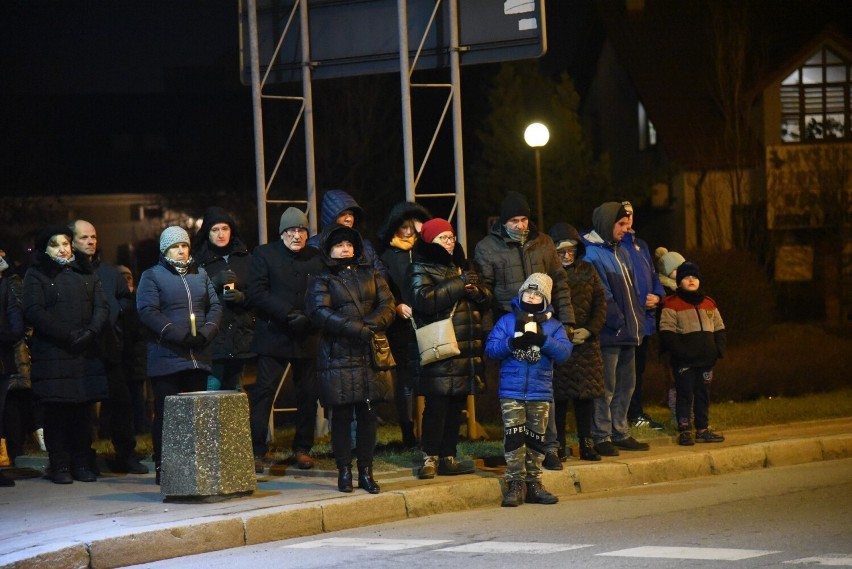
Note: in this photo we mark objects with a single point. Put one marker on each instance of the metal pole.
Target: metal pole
(259, 171)
(307, 93)
(405, 88)
(458, 157)
(538, 199)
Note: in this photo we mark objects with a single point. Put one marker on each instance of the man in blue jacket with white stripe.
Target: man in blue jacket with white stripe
(623, 331)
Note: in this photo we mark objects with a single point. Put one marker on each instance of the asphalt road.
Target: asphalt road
(779, 517)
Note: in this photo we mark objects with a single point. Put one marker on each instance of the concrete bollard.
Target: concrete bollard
(207, 452)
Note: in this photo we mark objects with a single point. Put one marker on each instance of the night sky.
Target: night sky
(125, 96)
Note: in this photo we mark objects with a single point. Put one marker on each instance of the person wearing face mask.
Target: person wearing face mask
(513, 250)
(580, 379)
(442, 282)
(218, 249)
(65, 304)
(397, 237)
(278, 281)
(349, 302)
(178, 304)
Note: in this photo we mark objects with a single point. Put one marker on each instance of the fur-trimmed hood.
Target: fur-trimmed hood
(329, 233)
(399, 213)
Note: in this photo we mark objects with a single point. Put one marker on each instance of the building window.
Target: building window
(815, 100)
(647, 132)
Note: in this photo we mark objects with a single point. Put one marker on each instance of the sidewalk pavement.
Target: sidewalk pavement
(121, 520)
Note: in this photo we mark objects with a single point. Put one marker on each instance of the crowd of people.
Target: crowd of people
(561, 318)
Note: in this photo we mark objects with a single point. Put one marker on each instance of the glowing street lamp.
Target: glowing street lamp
(536, 135)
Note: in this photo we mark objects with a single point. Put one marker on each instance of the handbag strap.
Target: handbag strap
(450, 317)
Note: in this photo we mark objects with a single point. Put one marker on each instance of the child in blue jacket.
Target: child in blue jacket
(527, 342)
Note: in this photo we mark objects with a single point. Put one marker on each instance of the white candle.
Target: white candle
(192, 322)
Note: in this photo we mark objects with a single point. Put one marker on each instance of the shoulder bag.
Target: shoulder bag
(437, 341)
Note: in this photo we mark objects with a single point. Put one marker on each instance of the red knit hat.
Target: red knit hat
(435, 227)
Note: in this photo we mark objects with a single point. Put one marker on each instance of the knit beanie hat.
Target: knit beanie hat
(667, 261)
(48, 232)
(292, 217)
(433, 228)
(172, 235)
(540, 283)
(687, 269)
(514, 205)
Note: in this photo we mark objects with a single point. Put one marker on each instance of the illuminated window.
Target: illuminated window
(647, 132)
(815, 100)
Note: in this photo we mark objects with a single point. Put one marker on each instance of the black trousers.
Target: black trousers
(67, 434)
(693, 396)
(118, 413)
(365, 434)
(172, 384)
(441, 422)
(269, 371)
(583, 411)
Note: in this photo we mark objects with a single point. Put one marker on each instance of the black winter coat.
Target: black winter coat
(11, 326)
(435, 286)
(58, 300)
(278, 281)
(343, 364)
(236, 329)
(581, 377)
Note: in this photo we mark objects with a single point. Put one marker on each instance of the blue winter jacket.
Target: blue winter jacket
(164, 300)
(647, 280)
(625, 314)
(520, 379)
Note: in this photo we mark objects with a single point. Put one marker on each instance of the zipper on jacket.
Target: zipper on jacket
(629, 284)
(189, 300)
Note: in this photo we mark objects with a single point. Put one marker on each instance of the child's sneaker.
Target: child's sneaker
(708, 436)
(685, 439)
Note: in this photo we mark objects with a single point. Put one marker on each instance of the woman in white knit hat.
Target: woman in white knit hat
(177, 302)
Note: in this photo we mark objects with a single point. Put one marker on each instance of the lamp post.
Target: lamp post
(536, 135)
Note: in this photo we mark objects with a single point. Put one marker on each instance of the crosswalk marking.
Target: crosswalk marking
(707, 553)
(371, 544)
(831, 560)
(513, 547)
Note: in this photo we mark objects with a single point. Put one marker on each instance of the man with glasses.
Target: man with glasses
(277, 284)
(508, 255)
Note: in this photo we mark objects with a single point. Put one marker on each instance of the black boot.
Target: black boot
(536, 494)
(514, 494)
(408, 438)
(366, 481)
(587, 450)
(344, 478)
(551, 461)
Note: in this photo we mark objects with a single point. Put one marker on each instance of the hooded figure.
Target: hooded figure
(349, 302)
(228, 264)
(580, 379)
(334, 204)
(624, 328)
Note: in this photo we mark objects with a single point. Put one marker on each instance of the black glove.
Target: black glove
(194, 342)
(297, 322)
(365, 334)
(222, 278)
(470, 278)
(526, 340)
(233, 295)
(80, 340)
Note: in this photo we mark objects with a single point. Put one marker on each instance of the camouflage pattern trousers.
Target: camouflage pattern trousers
(524, 424)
